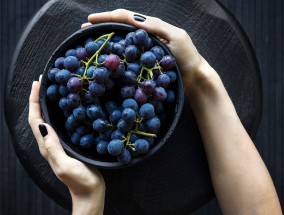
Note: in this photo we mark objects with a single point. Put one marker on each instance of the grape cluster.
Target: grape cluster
(112, 91)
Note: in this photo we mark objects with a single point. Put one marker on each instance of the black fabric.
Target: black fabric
(175, 180)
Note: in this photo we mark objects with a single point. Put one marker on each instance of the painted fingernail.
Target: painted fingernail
(139, 18)
(42, 129)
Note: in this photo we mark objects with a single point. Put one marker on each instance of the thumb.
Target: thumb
(51, 149)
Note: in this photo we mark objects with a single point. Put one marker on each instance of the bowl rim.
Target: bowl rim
(112, 26)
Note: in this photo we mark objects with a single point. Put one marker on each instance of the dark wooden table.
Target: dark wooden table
(16, 188)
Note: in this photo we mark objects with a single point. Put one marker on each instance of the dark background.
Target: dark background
(263, 22)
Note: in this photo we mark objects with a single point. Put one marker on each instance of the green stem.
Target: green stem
(144, 133)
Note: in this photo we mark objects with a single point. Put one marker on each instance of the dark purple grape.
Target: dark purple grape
(172, 75)
(110, 106)
(127, 92)
(90, 71)
(129, 115)
(129, 78)
(141, 146)
(94, 111)
(130, 103)
(163, 80)
(124, 43)
(62, 76)
(148, 59)
(89, 40)
(168, 62)
(119, 71)
(130, 38)
(108, 47)
(101, 74)
(102, 147)
(106, 135)
(70, 52)
(80, 113)
(148, 86)
(63, 91)
(96, 89)
(75, 138)
(158, 52)
(71, 63)
(149, 44)
(101, 58)
(118, 49)
(64, 105)
(89, 98)
(73, 100)
(117, 134)
(134, 67)
(140, 38)
(140, 96)
(69, 127)
(51, 74)
(83, 129)
(124, 126)
(72, 121)
(59, 63)
(112, 62)
(159, 106)
(116, 38)
(160, 94)
(124, 157)
(87, 141)
(132, 53)
(100, 125)
(147, 111)
(115, 116)
(109, 84)
(170, 96)
(133, 138)
(74, 85)
(153, 124)
(80, 71)
(52, 92)
(115, 147)
(150, 140)
(91, 48)
(81, 53)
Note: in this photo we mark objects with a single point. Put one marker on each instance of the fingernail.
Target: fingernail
(42, 129)
(139, 18)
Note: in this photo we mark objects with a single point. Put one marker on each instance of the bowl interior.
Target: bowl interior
(54, 115)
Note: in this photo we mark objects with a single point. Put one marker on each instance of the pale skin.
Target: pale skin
(240, 178)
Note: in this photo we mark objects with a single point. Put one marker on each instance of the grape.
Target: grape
(72, 121)
(115, 116)
(74, 85)
(115, 147)
(130, 38)
(172, 75)
(71, 63)
(128, 115)
(140, 38)
(109, 84)
(89, 98)
(110, 106)
(81, 53)
(96, 89)
(90, 71)
(87, 141)
(153, 124)
(75, 138)
(148, 59)
(73, 100)
(129, 78)
(70, 52)
(147, 111)
(118, 49)
(101, 58)
(51, 74)
(150, 140)
(79, 113)
(64, 105)
(127, 92)
(148, 86)
(91, 48)
(124, 43)
(89, 40)
(82, 130)
(59, 63)
(62, 76)
(168, 62)
(149, 44)
(117, 134)
(124, 126)
(94, 111)
(163, 80)
(108, 47)
(69, 127)
(170, 96)
(112, 62)
(101, 74)
(52, 92)
(141, 146)
(102, 147)
(130, 103)
(160, 94)
(119, 71)
(124, 157)
(116, 38)
(80, 71)
(140, 96)
(132, 53)
(63, 91)
(133, 138)
(134, 67)
(88, 122)
(159, 107)
(100, 125)
(158, 52)
(106, 135)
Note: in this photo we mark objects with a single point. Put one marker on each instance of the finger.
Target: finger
(87, 24)
(151, 24)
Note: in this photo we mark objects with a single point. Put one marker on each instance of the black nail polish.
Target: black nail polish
(139, 18)
(42, 130)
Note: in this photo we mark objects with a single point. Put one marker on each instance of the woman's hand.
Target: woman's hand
(85, 183)
(191, 63)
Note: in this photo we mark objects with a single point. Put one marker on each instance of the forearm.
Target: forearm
(241, 181)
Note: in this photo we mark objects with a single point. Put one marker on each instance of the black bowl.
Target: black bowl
(54, 116)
